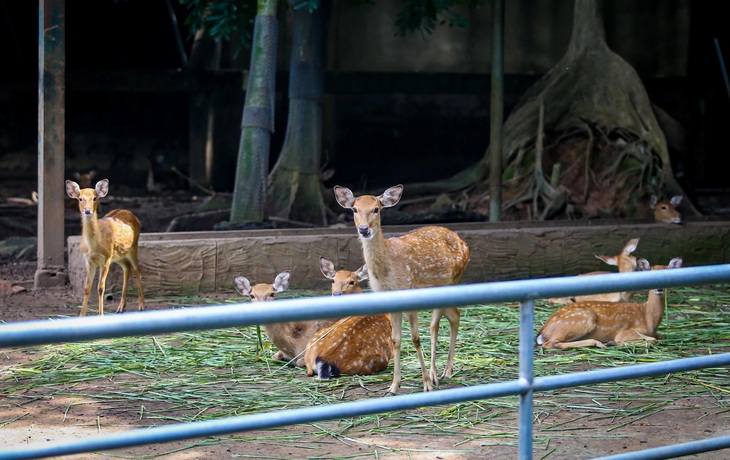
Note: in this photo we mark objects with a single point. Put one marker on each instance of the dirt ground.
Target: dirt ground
(45, 420)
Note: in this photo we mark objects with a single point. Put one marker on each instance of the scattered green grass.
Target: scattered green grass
(207, 375)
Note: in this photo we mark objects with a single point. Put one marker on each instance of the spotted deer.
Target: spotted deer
(356, 345)
(113, 238)
(596, 323)
(625, 262)
(290, 338)
(425, 257)
(665, 211)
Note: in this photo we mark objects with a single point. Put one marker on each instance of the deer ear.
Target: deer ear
(243, 286)
(653, 202)
(631, 246)
(391, 197)
(676, 199)
(362, 273)
(344, 196)
(327, 267)
(72, 189)
(102, 187)
(675, 263)
(610, 260)
(282, 281)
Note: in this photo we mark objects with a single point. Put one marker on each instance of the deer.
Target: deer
(84, 178)
(601, 324)
(425, 257)
(113, 238)
(290, 338)
(625, 262)
(665, 211)
(356, 345)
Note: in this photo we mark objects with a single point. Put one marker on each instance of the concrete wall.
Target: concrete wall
(206, 262)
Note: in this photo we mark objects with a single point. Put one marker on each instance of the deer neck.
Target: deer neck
(376, 254)
(654, 309)
(90, 228)
(289, 337)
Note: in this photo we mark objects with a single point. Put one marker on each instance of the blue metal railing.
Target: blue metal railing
(224, 316)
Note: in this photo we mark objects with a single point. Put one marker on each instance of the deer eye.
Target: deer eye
(376, 210)
(333, 281)
(352, 283)
(94, 199)
(81, 199)
(253, 297)
(354, 210)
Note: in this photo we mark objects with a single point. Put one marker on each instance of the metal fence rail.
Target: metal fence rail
(224, 316)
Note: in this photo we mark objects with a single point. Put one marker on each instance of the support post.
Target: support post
(527, 366)
(51, 271)
(496, 115)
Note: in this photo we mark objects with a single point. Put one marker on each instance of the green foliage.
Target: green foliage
(426, 15)
(311, 5)
(221, 19)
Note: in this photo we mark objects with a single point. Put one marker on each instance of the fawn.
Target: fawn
(113, 238)
(289, 337)
(425, 257)
(665, 211)
(593, 323)
(625, 262)
(354, 345)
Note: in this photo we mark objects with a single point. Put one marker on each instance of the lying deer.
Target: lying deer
(625, 262)
(356, 345)
(290, 338)
(425, 257)
(665, 211)
(593, 323)
(112, 238)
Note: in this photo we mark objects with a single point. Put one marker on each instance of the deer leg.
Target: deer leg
(578, 343)
(102, 283)
(416, 338)
(123, 302)
(453, 315)
(631, 335)
(396, 320)
(135, 265)
(435, 321)
(87, 287)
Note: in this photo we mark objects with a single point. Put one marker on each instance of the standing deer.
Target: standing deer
(593, 323)
(625, 262)
(290, 338)
(425, 257)
(354, 345)
(112, 238)
(665, 211)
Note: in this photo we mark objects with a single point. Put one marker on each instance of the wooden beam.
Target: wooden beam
(51, 270)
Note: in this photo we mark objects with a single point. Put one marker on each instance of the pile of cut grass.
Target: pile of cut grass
(206, 375)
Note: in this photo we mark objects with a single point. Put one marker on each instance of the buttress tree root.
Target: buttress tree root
(583, 141)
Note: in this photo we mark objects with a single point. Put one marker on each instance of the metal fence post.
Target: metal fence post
(527, 349)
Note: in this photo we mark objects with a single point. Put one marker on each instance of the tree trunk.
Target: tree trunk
(590, 125)
(249, 194)
(294, 183)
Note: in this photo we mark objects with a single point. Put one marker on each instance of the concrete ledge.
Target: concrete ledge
(206, 262)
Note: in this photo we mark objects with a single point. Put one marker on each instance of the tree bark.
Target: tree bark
(249, 194)
(294, 183)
